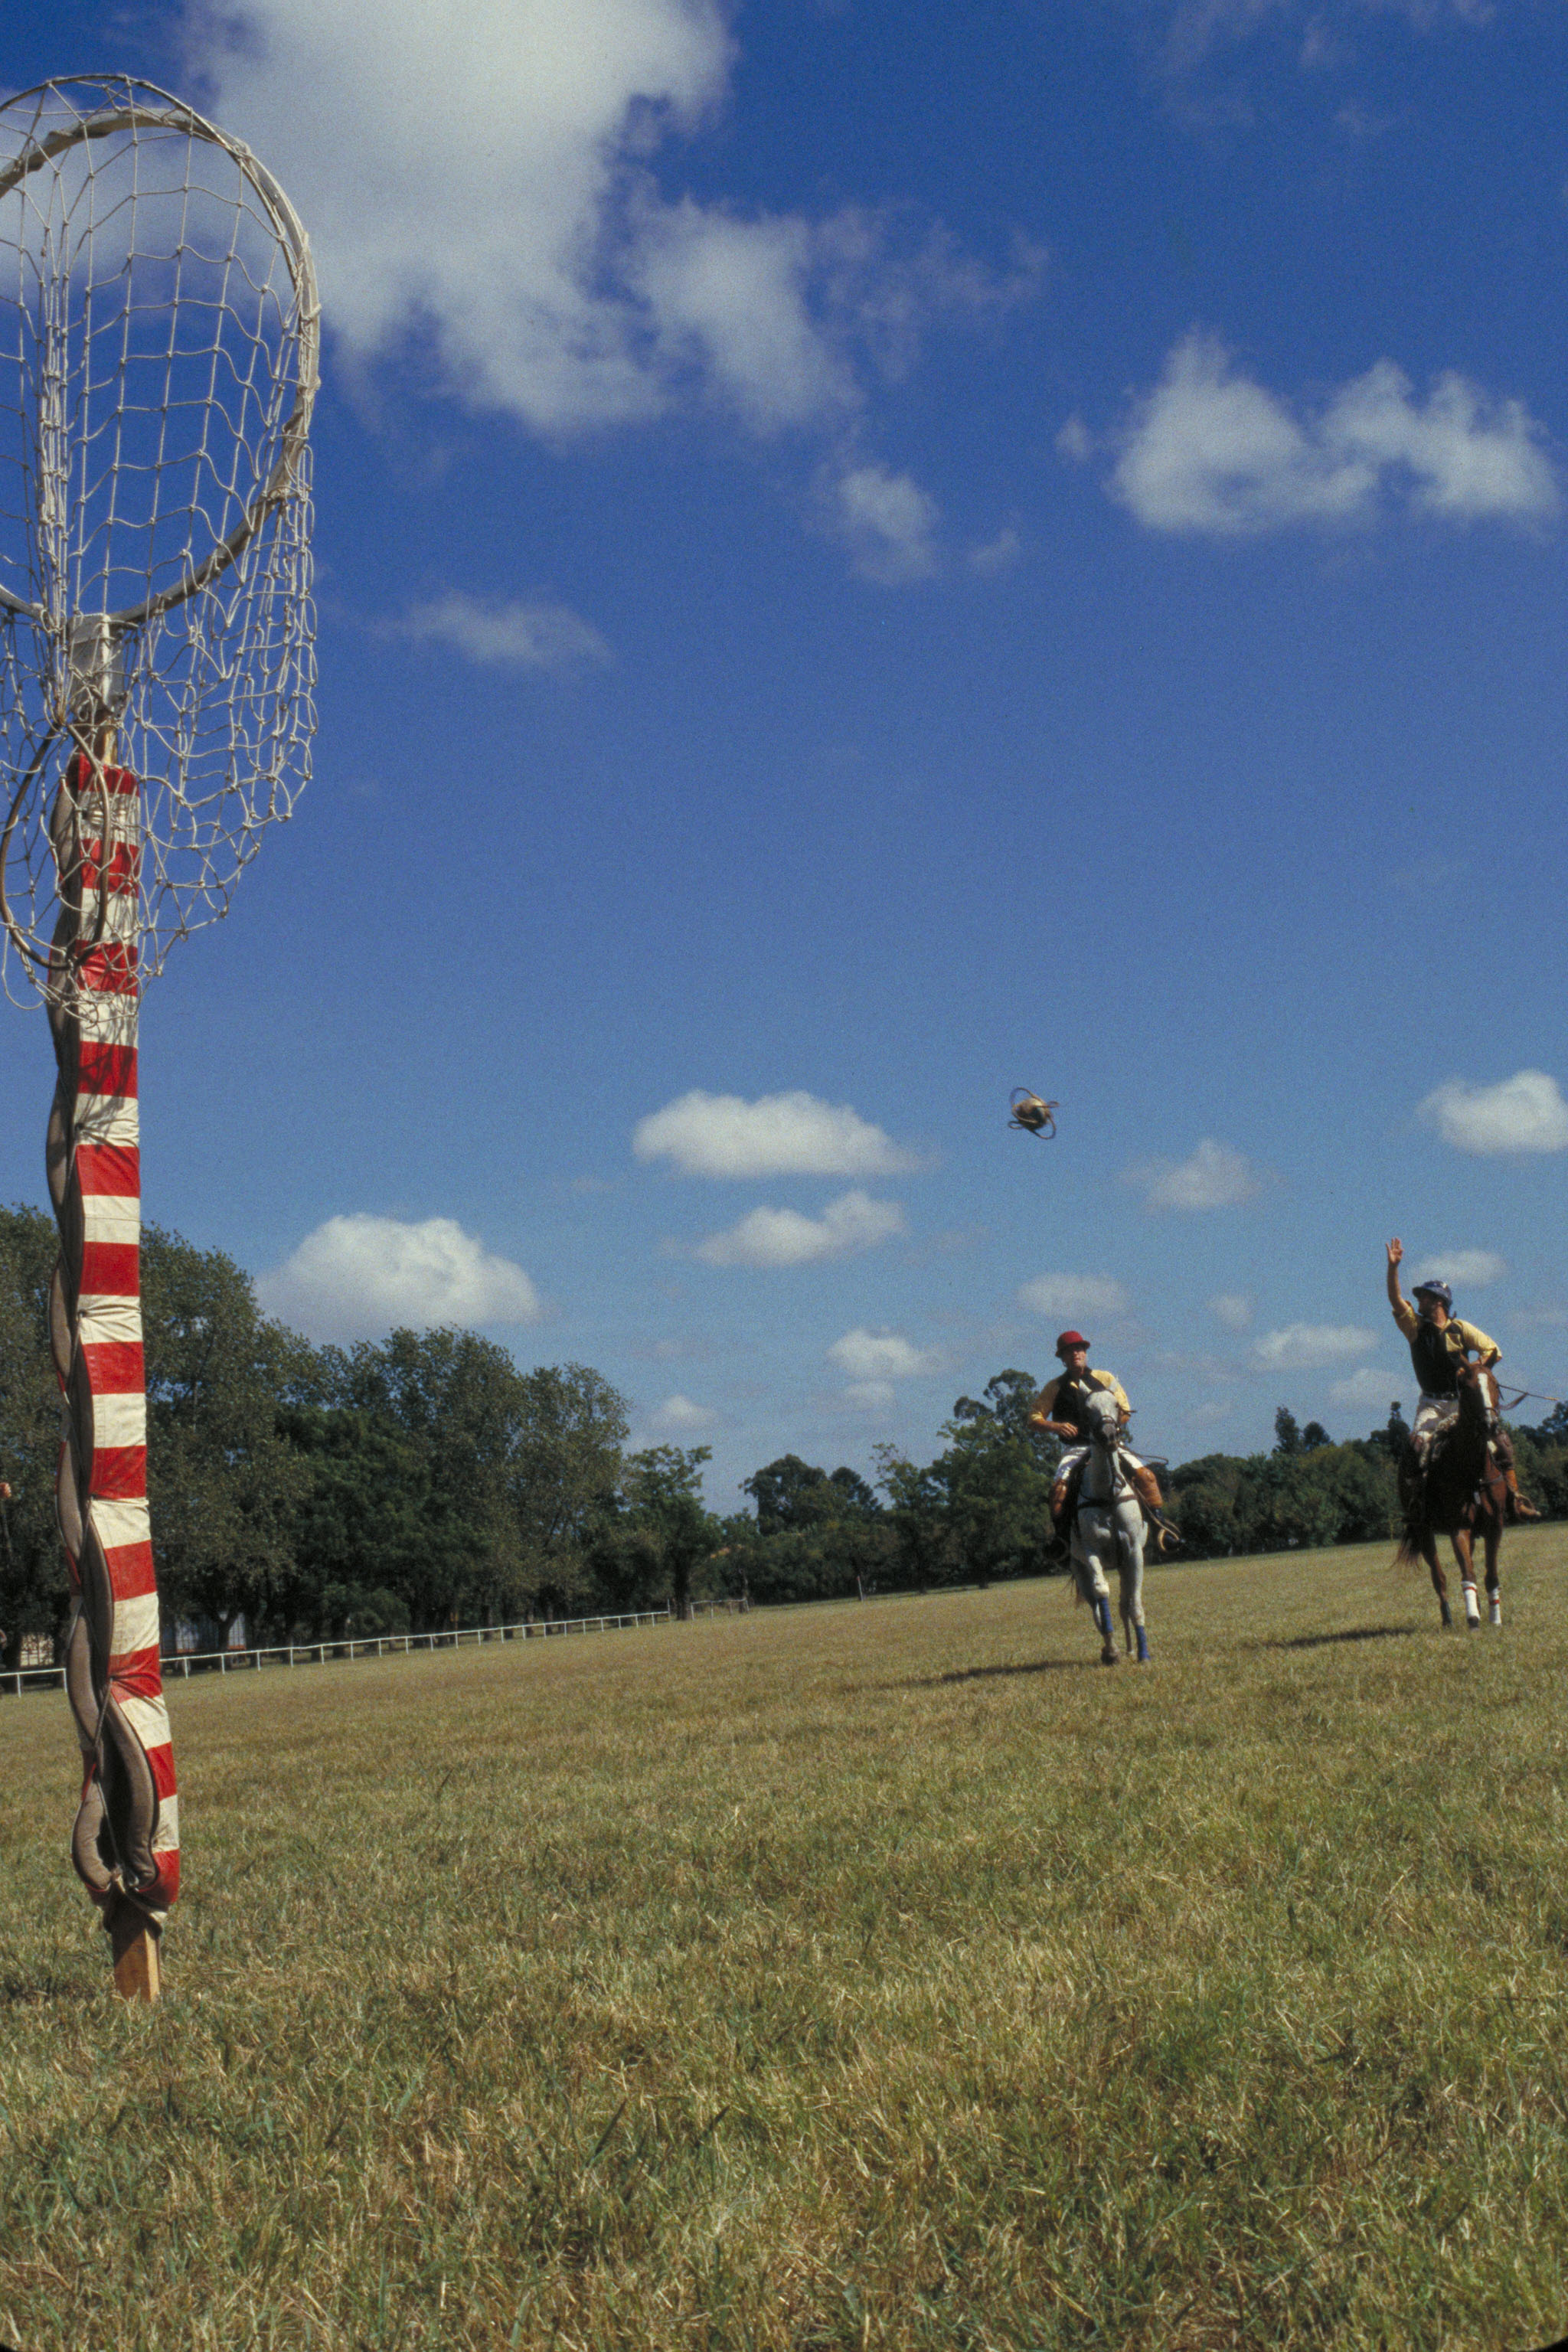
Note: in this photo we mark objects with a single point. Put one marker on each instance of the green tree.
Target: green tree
(359, 1533)
(815, 1534)
(1543, 1467)
(224, 1481)
(666, 1519)
(982, 1508)
(1395, 1436)
(501, 1479)
(924, 1552)
(1272, 1502)
(567, 1465)
(1205, 1510)
(35, 1590)
(1008, 1401)
(792, 1494)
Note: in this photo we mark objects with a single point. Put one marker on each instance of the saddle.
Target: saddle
(1146, 1486)
(1415, 1469)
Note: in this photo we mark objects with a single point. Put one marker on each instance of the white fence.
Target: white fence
(370, 1646)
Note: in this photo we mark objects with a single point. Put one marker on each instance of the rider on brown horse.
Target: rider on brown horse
(1440, 1341)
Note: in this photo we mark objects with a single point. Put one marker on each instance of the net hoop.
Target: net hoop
(170, 113)
(155, 611)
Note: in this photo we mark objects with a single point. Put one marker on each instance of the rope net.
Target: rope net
(159, 332)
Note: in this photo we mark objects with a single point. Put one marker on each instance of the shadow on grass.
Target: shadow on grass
(1325, 1641)
(985, 1673)
(35, 1992)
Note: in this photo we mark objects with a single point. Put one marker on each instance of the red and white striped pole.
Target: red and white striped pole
(126, 1841)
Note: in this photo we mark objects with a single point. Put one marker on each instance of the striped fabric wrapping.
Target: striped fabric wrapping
(126, 1841)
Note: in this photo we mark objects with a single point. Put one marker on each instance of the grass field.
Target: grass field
(844, 1977)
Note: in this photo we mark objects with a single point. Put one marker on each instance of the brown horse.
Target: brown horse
(1463, 1494)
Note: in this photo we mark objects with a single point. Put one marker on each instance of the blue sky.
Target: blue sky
(870, 555)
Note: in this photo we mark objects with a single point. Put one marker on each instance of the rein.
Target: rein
(1519, 1394)
(1120, 1479)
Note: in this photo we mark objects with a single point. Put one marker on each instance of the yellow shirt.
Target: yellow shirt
(1467, 1339)
(1047, 1396)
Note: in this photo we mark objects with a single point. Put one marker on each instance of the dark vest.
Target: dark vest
(1436, 1363)
(1072, 1399)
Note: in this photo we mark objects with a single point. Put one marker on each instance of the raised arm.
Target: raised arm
(1396, 1296)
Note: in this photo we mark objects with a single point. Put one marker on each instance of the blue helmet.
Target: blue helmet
(1436, 1290)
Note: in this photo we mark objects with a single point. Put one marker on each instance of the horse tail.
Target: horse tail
(1416, 1535)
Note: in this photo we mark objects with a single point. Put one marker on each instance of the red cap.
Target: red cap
(1070, 1340)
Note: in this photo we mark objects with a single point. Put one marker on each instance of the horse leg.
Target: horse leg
(1130, 1540)
(1460, 1539)
(1093, 1531)
(1439, 1582)
(1494, 1585)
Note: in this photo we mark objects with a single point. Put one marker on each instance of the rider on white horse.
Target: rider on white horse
(1104, 1522)
(1108, 1531)
(1061, 1411)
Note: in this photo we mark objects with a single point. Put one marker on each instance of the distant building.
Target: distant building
(188, 1637)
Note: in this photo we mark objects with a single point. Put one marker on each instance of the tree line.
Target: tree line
(320, 1492)
(425, 1480)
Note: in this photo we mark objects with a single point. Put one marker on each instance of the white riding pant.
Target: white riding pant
(1077, 1454)
(1432, 1413)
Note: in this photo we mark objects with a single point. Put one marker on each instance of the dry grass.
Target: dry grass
(850, 1977)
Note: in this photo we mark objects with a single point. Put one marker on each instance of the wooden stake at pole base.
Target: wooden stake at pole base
(135, 1941)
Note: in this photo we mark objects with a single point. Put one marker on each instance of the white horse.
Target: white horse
(1108, 1528)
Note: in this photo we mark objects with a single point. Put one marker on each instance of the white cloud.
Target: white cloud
(1470, 1267)
(1370, 1387)
(678, 1417)
(1210, 450)
(1524, 1113)
(1198, 26)
(771, 1237)
(356, 1277)
(733, 293)
(1073, 441)
(1302, 1347)
(1212, 1176)
(998, 554)
(887, 522)
(1073, 1294)
(871, 1396)
(481, 179)
(1233, 1308)
(881, 1356)
(513, 636)
(778, 1135)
